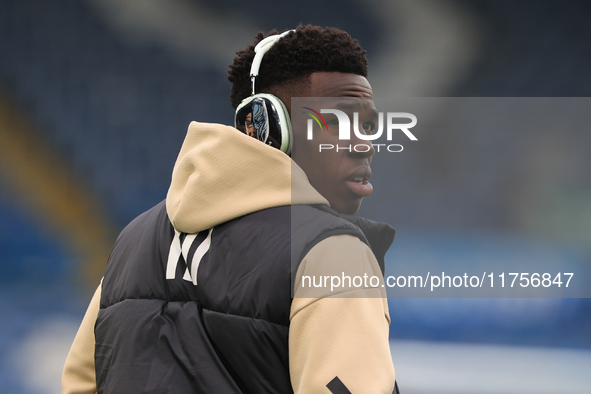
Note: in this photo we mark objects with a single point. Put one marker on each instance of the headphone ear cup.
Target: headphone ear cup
(265, 117)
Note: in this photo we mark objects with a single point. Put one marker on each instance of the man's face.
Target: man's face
(342, 177)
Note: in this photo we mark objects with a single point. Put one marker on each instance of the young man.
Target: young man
(197, 292)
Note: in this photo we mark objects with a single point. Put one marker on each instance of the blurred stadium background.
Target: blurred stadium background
(95, 99)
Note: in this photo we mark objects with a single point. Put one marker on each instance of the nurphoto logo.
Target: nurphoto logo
(344, 124)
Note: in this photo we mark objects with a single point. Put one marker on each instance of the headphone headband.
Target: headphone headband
(260, 50)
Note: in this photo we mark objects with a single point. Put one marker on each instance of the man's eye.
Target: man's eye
(369, 127)
(332, 121)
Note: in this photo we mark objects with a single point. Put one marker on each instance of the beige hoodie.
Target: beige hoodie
(222, 174)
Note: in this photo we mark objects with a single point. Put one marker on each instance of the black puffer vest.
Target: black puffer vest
(209, 313)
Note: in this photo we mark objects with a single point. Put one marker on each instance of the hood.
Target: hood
(221, 174)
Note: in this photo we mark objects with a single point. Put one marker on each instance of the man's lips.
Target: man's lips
(358, 182)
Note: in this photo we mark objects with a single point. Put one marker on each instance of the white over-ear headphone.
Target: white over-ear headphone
(269, 120)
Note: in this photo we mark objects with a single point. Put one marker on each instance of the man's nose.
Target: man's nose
(360, 147)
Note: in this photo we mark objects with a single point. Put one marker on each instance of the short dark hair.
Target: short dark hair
(307, 50)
